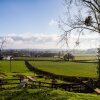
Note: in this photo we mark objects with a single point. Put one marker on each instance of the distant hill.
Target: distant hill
(60, 51)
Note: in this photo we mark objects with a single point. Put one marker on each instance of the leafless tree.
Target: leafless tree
(81, 15)
(2, 42)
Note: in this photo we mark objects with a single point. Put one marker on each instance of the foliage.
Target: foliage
(68, 57)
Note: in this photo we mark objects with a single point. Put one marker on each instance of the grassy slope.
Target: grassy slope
(67, 68)
(47, 94)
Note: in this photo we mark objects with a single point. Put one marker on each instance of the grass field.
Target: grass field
(77, 57)
(62, 68)
(67, 68)
(17, 67)
(88, 57)
(45, 94)
(37, 58)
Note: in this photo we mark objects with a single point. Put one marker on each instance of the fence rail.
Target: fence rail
(38, 84)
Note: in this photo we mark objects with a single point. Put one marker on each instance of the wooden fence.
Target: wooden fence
(84, 83)
(12, 84)
(78, 83)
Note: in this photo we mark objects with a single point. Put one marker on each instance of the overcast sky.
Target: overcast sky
(34, 24)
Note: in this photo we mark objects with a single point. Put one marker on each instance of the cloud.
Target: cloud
(46, 41)
(30, 40)
(84, 43)
(53, 23)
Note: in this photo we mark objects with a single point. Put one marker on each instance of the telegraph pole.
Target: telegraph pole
(10, 64)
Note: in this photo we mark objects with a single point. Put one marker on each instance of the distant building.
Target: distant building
(7, 57)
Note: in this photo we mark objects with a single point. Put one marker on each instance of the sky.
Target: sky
(33, 24)
(36, 16)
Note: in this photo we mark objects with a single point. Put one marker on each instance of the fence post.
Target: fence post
(39, 84)
(0, 84)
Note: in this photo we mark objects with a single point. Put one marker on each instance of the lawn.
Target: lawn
(86, 57)
(67, 68)
(37, 58)
(17, 67)
(62, 68)
(45, 94)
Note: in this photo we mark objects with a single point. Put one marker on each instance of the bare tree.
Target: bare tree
(2, 42)
(81, 15)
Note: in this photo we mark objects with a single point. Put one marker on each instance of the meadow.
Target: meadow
(17, 67)
(67, 68)
(45, 94)
(77, 57)
(86, 57)
(37, 58)
(57, 67)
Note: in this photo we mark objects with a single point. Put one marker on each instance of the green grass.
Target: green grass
(37, 58)
(67, 68)
(62, 68)
(45, 94)
(17, 67)
(77, 57)
(87, 57)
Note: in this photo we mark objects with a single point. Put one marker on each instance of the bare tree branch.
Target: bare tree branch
(78, 22)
